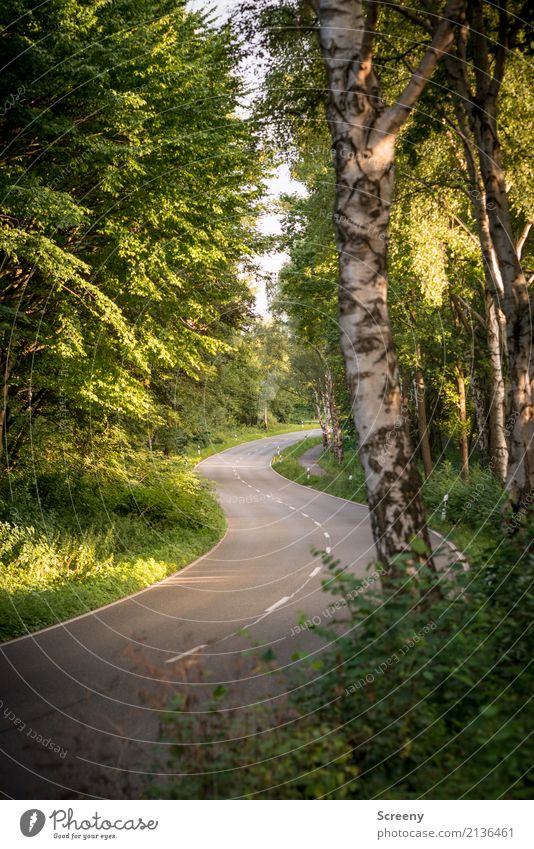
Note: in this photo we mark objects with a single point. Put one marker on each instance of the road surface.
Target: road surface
(81, 701)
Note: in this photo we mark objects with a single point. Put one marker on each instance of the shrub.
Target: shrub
(481, 495)
(67, 547)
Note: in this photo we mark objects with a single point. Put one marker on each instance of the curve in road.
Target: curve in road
(81, 701)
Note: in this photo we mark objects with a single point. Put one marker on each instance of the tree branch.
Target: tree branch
(520, 244)
(369, 32)
(412, 16)
(393, 118)
(502, 49)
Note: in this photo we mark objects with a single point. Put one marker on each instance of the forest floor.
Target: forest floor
(469, 517)
(71, 542)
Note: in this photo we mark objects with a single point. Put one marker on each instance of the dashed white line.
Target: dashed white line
(277, 604)
(305, 515)
(315, 572)
(317, 523)
(187, 653)
(327, 535)
(290, 507)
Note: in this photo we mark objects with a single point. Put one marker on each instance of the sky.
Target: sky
(280, 183)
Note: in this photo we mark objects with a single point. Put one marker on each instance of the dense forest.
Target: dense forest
(129, 205)
(138, 139)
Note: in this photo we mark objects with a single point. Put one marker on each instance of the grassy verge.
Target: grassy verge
(472, 511)
(73, 539)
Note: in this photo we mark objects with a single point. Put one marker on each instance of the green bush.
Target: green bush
(71, 541)
(479, 497)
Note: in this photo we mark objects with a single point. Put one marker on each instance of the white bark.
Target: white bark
(363, 135)
(481, 108)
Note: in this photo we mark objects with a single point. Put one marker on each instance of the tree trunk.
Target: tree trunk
(482, 113)
(422, 424)
(6, 373)
(337, 435)
(462, 416)
(482, 419)
(363, 135)
(518, 312)
(493, 300)
(321, 417)
(498, 447)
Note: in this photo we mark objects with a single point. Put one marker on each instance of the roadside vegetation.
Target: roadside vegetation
(466, 512)
(413, 701)
(75, 538)
(418, 696)
(129, 345)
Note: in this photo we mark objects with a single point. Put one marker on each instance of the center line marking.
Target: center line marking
(317, 523)
(277, 604)
(327, 535)
(291, 508)
(186, 653)
(306, 515)
(315, 571)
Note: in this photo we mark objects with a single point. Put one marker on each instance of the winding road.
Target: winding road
(81, 701)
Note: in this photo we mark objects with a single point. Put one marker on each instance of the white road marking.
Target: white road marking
(328, 549)
(315, 572)
(186, 653)
(327, 535)
(305, 515)
(277, 604)
(290, 507)
(317, 523)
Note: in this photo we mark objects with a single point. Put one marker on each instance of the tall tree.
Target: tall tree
(481, 107)
(127, 198)
(363, 134)
(475, 66)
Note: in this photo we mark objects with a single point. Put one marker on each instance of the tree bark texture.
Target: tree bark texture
(462, 416)
(481, 108)
(422, 421)
(363, 134)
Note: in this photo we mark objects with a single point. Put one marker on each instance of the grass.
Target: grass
(472, 513)
(74, 539)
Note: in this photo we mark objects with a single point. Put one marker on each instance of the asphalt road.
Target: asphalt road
(81, 701)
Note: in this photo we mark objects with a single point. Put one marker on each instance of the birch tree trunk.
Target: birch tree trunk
(462, 415)
(336, 433)
(422, 422)
(493, 300)
(322, 417)
(498, 447)
(482, 113)
(363, 134)
(517, 308)
(482, 419)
